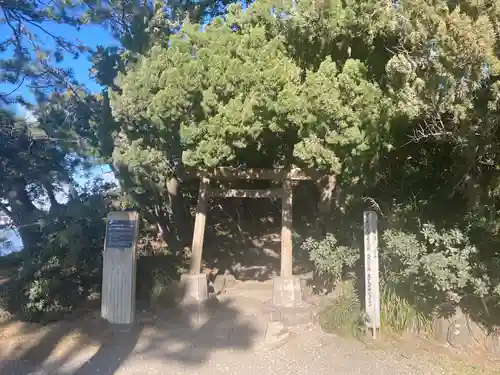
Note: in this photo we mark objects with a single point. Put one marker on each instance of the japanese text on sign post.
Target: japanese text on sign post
(120, 234)
(372, 290)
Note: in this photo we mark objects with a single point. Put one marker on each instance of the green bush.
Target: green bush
(163, 292)
(343, 314)
(50, 294)
(10, 261)
(433, 266)
(420, 274)
(398, 314)
(62, 271)
(155, 278)
(331, 260)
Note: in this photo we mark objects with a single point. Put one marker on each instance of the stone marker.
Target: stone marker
(372, 291)
(119, 269)
(286, 291)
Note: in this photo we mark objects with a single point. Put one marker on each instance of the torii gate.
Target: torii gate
(286, 291)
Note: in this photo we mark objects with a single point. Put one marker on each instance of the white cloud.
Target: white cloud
(25, 113)
(30, 117)
(109, 177)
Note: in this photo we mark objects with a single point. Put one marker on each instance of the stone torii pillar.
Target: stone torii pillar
(194, 283)
(286, 287)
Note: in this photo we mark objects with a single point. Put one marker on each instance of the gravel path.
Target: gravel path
(235, 339)
(226, 344)
(308, 353)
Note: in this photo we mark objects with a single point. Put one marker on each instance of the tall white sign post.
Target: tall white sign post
(372, 288)
(119, 269)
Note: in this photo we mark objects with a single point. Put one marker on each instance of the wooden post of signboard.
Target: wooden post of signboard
(119, 268)
(372, 289)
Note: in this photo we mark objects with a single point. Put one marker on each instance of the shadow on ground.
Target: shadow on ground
(248, 252)
(91, 346)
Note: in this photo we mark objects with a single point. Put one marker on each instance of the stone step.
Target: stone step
(291, 316)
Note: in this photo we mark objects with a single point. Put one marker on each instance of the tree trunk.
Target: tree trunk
(327, 186)
(54, 204)
(24, 214)
(180, 216)
(178, 211)
(163, 224)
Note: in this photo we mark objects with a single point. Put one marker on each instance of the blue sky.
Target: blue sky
(91, 36)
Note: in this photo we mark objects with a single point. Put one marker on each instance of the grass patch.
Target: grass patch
(343, 315)
(163, 292)
(398, 314)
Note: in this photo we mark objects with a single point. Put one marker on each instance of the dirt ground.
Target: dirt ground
(457, 361)
(87, 332)
(35, 344)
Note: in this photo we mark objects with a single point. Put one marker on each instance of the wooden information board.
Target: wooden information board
(119, 268)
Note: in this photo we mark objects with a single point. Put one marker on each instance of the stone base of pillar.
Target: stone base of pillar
(193, 288)
(194, 297)
(286, 291)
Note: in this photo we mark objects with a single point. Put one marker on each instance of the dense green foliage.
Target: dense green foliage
(388, 103)
(397, 99)
(66, 268)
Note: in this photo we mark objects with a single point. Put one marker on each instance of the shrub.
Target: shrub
(61, 272)
(155, 275)
(399, 314)
(163, 292)
(50, 294)
(10, 261)
(434, 266)
(343, 314)
(331, 260)
(420, 274)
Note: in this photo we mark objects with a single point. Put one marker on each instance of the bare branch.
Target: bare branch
(56, 38)
(434, 129)
(6, 210)
(14, 90)
(16, 34)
